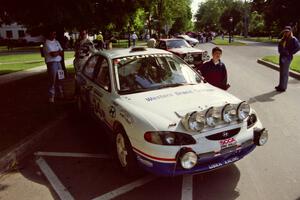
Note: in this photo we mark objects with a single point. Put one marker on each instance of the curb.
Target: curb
(10, 158)
(276, 67)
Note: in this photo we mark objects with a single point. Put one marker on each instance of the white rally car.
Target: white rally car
(164, 117)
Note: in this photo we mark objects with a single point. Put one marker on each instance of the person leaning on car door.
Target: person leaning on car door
(214, 71)
(84, 47)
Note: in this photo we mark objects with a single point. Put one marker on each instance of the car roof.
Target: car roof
(171, 39)
(134, 51)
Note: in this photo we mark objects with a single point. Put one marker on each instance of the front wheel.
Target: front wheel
(125, 154)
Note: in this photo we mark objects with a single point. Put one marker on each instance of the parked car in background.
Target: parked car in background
(163, 117)
(192, 41)
(181, 48)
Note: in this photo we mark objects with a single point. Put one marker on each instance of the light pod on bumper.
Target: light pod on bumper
(187, 158)
(260, 136)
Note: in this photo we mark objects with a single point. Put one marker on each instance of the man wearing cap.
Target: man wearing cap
(287, 47)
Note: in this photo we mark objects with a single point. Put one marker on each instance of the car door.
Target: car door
(86, 80)
(102, 96)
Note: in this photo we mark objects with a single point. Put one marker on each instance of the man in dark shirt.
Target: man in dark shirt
(214, 71)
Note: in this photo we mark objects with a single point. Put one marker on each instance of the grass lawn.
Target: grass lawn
(275, 59)
(18, 62)
(219, 41)
(259, 39)
(19, 49)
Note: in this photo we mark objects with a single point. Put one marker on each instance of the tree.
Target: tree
(183, 23)
(282, 13)
(209, 13)
(231, 16)
(257, 24)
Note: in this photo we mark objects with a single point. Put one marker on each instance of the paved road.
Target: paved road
(270, 172)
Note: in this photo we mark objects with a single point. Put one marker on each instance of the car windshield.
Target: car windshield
(152, 72)
(177, 44)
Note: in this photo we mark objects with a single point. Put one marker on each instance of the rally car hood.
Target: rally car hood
(167, 105)
(185, 50)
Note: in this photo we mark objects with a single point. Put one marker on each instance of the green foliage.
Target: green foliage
(295, 65)
(209, 13)
(257, 23)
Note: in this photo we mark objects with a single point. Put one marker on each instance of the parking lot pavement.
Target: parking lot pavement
(77, 164)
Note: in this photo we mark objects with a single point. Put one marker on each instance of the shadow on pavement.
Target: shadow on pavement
(219, 184)
(267, 97)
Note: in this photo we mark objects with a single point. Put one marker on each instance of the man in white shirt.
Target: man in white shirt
(53, 54)
(134, 37)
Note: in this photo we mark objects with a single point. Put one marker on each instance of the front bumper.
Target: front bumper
(205, 162)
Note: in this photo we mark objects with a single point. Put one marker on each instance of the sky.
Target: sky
(194, 5)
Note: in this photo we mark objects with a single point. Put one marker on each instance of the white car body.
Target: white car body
(163, 110)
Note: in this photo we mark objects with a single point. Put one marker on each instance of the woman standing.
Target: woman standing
(287, 47)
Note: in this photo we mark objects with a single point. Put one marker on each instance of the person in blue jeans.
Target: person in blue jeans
(53, 55)
(287, 47)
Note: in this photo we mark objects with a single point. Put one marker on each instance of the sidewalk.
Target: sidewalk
(7, 78)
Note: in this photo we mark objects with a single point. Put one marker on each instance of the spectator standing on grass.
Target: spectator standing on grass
(134, 37)
(287, 47)
(53, 53)
(214, 71)
(84, 47)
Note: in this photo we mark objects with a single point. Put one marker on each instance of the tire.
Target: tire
(125, 156)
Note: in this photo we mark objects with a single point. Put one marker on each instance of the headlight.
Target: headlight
(229, 113)
(169, 138)
(188, 159)
(211, 116)
(243, 110)
(196, 121)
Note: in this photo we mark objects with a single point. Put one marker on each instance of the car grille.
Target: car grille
(224, 134)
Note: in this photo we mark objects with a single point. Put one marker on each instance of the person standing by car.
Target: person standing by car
(53, 53)
(214, 71)
(83, 49)
(100, 41)
(287, 47)
(151, 43)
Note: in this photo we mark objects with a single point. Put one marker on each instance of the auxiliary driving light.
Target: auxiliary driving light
(260, 136)
(188, 158)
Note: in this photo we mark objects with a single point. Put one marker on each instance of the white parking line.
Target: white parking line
(54, 181)
(125, 188)
(187, 187)
(76, 155)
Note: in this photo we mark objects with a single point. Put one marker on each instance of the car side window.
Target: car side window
(90, 67)
(103, 78)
